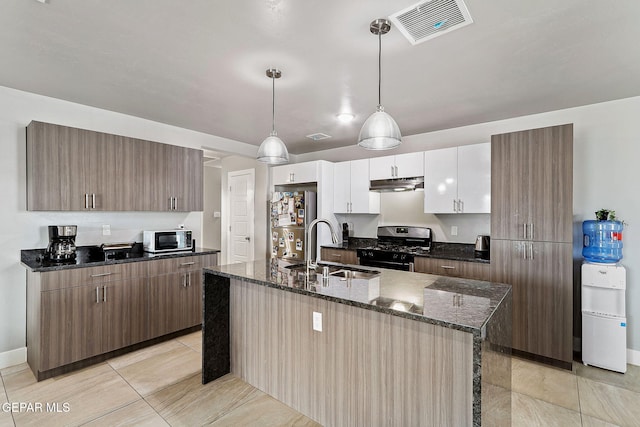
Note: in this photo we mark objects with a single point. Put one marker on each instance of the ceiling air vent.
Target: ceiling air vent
(318, 136)
(429, 19)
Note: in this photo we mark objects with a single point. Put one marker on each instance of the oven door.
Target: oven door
(393, 265)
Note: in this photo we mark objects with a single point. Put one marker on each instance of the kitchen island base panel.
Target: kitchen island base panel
(216, 360)
(364, 368)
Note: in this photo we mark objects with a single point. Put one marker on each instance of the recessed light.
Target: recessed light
(345, 117)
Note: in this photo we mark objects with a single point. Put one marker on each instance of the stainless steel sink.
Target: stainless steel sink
(339, 271)
(354, 274)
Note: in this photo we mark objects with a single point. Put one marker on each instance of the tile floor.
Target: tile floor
(160, 386)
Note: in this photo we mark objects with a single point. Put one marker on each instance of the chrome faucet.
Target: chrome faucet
(334, 238)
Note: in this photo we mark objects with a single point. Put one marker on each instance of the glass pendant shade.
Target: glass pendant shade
(273, 151)
(379, 132)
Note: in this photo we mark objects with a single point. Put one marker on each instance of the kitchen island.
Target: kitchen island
(395, 348)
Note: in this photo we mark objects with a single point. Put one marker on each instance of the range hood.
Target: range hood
(397, 184)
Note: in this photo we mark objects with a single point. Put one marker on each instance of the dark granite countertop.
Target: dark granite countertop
(441, 250)
(451, 302)
(93, 256)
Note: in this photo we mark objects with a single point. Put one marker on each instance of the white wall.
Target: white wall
(407, 208)
(212, 226)
(605, 172)
(237, 163)
(23, 230)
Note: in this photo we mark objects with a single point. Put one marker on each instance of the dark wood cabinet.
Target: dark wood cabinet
(531, 236)
(71, 169)
(343, 256)
(71, 326)
(532, 183)
(75, 314)
(125, 314)
(175, 293)
(541, 276)
(453, 268)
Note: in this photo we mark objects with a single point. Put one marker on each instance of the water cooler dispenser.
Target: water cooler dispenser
(604, 331)
(604, 283)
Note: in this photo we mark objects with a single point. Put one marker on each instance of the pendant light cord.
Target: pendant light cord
(273, 103)
(379, 68)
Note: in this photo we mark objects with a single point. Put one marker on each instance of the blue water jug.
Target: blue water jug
(602, 241)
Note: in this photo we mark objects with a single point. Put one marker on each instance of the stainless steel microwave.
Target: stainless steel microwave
(167, 241)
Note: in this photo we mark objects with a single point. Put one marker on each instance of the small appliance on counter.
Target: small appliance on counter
(62, 243)
(345, 234)
(482, 247)
(167, 241)
(116, 250)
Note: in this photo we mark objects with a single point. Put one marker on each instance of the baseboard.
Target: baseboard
(633, 357)
(13, 357)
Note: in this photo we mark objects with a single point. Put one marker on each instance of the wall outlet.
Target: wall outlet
(317, 321)
(106, 230)
(454, 230)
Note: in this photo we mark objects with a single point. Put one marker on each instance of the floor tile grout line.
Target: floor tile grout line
(116, 408)
(548, 403)
(163, 388)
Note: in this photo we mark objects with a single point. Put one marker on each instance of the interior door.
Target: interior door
(241, 215)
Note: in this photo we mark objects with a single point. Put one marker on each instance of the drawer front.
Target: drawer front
(176, 265)
(344, 256)
(91, 275)
(453, 268)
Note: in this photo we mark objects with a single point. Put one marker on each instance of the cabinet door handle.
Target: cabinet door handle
(189, 279)
(531, 231)
(448, 267)
(524, 230)
(175, 203)
(100, 275)
(455, 206)
(93, 200)
(98, 295)
(184, 280)
(104, 293)
(86, 200)
(187, 263)
(531, 251)
(460, 206)
(396, 171)
(336, 255)
(291, 176)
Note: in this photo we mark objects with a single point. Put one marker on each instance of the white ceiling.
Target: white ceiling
(200, 64)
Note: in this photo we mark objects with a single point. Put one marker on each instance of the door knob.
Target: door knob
(247, 239)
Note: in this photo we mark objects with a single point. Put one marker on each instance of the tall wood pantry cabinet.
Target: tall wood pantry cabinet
(531, 237)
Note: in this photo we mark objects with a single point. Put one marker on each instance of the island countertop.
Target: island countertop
(451, 302)
(443, 344)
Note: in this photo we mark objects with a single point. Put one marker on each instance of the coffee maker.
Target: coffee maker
(62, 243)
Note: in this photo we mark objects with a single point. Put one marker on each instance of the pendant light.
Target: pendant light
(272, 150)
(380, 131)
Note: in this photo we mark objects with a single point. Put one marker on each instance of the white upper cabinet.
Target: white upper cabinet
(458, 179)
(441, 180)
(399, 166)
(351, 188)
(296, 173)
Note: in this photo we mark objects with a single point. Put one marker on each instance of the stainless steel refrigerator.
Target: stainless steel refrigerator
(291, 214)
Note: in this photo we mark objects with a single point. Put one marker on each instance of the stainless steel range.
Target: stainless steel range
(397, 247)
